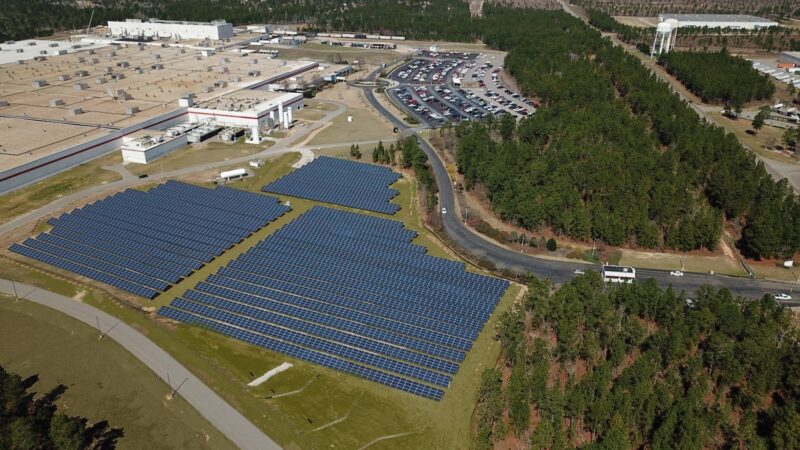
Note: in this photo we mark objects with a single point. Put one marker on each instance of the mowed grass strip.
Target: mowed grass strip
(104, 381)
(38, 194)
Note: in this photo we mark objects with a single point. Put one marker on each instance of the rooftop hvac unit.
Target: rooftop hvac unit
(100, 80)
(39, 83)
(3, 103)
(81, 73)
(63, 77)
(208, 89)
(131, 110)
(56, 102)
(75, 111)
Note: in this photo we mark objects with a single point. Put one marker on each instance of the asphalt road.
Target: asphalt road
(224, 417)
(561, 271)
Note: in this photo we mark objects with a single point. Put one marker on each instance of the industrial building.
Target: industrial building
(735, 21)
(61, 111)
(171, 29)
(145, 146)
(790, 58)
(20, 51)
(251, 109)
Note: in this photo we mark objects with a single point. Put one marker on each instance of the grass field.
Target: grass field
(775, 272)
(43, 192)
(104, 381)
(365, 126)
(208, 152)
(766, 136)
(307, 406)
(693, 263)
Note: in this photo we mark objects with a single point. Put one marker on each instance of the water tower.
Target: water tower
(666, 32)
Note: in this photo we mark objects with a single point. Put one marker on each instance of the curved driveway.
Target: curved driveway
(559, 271)
(217, 411)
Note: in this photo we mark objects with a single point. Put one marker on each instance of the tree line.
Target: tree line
(718, 77)
(28, 421)
(417, 19)
(613, 154)
(636, 366)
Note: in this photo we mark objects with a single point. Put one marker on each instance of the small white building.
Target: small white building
(145, 146)
(171, 29)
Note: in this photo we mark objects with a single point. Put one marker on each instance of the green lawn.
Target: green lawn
(332, 409)
(104, 381)
(67, 182)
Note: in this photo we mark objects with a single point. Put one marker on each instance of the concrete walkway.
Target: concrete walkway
(227, 420)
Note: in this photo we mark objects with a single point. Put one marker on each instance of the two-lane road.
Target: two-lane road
(558, 271)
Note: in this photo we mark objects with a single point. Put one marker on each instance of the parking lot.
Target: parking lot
(435, 87)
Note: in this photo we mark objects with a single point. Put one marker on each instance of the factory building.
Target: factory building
(145, 146)
(252, 109)
(790, 59)
(71, 108)
(736, 21)
(171, 29)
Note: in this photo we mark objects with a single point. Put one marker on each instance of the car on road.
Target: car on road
(782, 296)
(579, 272)
(444, 210)
(676, 273)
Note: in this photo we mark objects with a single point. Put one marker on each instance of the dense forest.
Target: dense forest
(636, 366)
(634, 165)
(417, 19)
(652, 8)
(28, 421)
(718, 77)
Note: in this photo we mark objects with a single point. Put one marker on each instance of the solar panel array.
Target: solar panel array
(144, 242)
(341, 182)
(349, 292)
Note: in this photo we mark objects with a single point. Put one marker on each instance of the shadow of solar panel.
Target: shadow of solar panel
(144, 242)
(341, 182)
(354, 289)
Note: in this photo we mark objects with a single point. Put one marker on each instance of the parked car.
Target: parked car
(144, 175)
(676, 273)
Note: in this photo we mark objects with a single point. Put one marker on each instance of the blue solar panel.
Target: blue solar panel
(341, 182)
(143, 242)
(354, 289)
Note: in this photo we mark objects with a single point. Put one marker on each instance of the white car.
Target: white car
(444, 210)
(676, 273)
(782, 296)
(579, 272)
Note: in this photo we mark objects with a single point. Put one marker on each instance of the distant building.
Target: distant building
(790, 58)
(736, 21)
(171, 29)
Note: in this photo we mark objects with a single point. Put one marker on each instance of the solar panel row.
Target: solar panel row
(376, 303)
(143, 242)
(341, 182)
(306, 354)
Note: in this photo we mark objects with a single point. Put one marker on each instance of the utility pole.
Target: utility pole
(14, 286)
(522, 243)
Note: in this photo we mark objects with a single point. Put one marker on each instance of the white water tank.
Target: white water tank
(235, 173)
